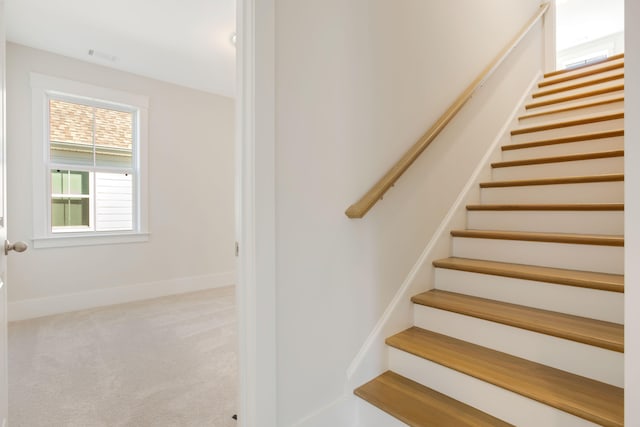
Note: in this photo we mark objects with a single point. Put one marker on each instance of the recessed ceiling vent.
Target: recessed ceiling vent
(103, 56)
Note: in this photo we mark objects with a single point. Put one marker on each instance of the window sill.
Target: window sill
(93, 239)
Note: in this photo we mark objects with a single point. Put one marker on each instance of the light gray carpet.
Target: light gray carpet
(170, 361)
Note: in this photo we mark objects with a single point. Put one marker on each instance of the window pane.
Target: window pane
(69, 182)
(58, 214)
(78, 212)
(57, 179)
(70, 212)
(70, 202)
(114, 202)
(78, 182)
(70, 132)
(114, 138)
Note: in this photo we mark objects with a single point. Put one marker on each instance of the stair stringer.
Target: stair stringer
(371, 359)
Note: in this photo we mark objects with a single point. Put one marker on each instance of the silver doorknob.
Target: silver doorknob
(17, 246)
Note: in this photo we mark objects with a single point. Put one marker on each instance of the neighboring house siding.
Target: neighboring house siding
(114, 202)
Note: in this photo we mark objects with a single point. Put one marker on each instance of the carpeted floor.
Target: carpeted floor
(165, 362)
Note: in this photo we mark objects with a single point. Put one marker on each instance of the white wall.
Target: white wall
(190, 202)
(357, 82)
(632, 212)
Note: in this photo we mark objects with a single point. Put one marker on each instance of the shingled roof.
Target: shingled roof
(73, 123)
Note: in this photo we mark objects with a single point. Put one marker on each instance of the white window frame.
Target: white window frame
(42, 87)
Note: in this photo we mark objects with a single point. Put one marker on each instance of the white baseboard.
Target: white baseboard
(340, 413)
(38, 307)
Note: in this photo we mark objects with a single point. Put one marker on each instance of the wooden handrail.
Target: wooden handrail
(362, 206)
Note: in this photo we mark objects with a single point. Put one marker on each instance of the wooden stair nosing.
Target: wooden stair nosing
(554, 181)
(592, 64)
(548, 207)
(584, 73)
(592, 332)
(530, 236)
(568, 123)
(560, 159)
(573, 108)
(580, 85)
(586, 398)
(419, 406)
(581, 279)
(573, 97)
(565, 139)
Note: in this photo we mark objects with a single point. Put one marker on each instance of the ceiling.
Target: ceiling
(580, 21)
(187, 42)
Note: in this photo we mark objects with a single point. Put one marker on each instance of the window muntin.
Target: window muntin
(91, 151)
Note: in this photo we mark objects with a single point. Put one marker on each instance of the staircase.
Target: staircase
(524, 326)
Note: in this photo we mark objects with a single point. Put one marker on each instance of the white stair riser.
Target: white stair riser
(554, 105)
(579, 222)
(615, 74)
(605, 165)
(589, 192)
(595, 67)
(580, 359)
(605, 259)
(579, 91)
(568, 131)
(501, 403)
(584, 302)
(371, 416)
(563, 115)
(590, 146)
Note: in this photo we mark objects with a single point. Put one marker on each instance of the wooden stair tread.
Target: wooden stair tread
(570, 122)
(593, 332)
(594, 64)
(420, 406)
(556, 180)
(566, 139)
(549, 207)
(530, 236)
(586, 398)
(587, 104)
(565, 77)
(583, 279)
(559, 159)
(578, 85)
(575, 96)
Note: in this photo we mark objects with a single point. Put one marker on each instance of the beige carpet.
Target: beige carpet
(165, 362)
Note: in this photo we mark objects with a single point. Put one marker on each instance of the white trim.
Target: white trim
(89, 239)
(255, 212)
(375, 340)
(549, 31)
(342, 412)
(38, 307)
(87, 91)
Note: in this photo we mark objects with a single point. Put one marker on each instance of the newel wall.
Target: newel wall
(632, 212)
(191, 219)
(357, 82)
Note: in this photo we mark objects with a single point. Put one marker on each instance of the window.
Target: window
(90, 184)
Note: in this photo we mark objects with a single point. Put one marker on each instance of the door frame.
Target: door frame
(255, 211)
(4, 372)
